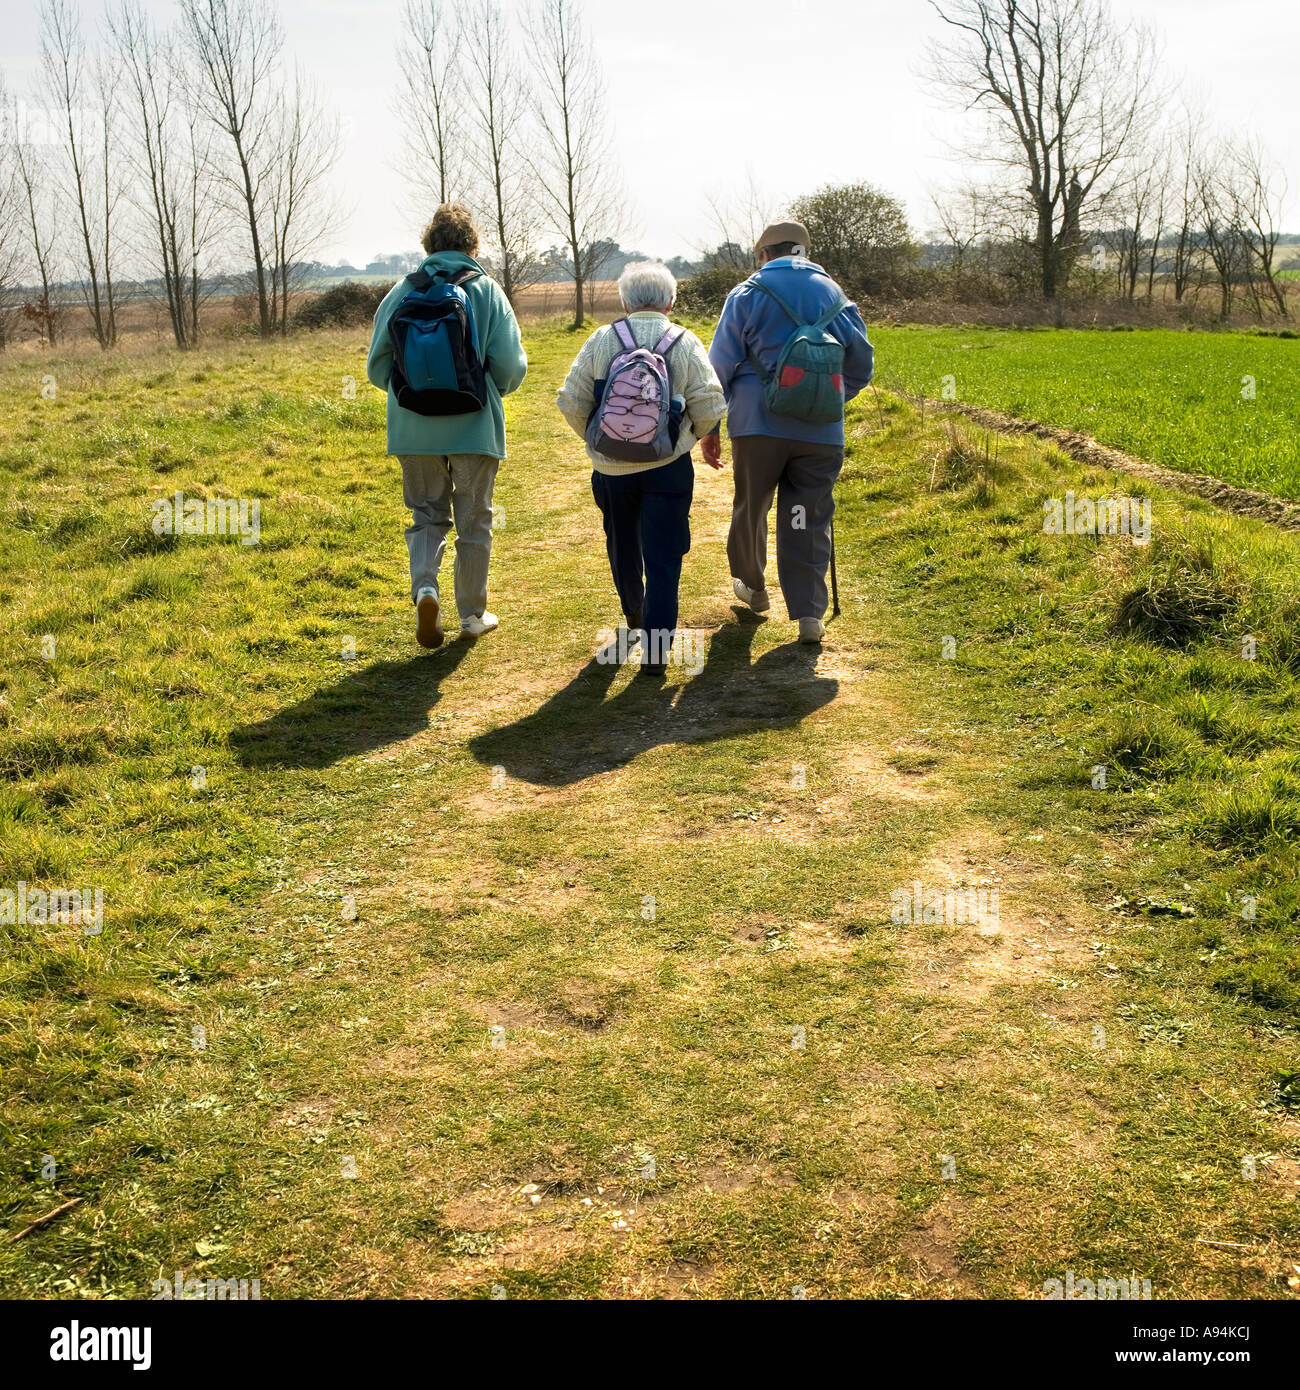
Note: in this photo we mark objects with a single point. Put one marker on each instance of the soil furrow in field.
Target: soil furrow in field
(1083, 448)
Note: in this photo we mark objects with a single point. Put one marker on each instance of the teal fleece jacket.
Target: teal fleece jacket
(503, 355)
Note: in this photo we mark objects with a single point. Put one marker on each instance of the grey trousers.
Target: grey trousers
(802, 479)
(437, 487)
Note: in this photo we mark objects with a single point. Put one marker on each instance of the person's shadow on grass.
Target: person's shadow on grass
(578, 733)
(368, 709)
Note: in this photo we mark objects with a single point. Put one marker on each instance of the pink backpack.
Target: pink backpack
(632, 421)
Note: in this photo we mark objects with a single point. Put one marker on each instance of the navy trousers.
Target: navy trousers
(647, 533)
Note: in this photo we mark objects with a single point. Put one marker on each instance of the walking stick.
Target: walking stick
(835, 583)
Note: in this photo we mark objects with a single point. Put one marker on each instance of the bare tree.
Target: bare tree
(88, 132)
(499, 103)
(298, 213)
(738, 217)
(203, 216)
(35, 190)
(1137, 209)
(1067, 92)
(966, 216)
(11, 215)
(111, 183)
(429, 105)
(236, 44)
(172, 182)
(1185, 160)
(1259, 192)
(1220, 229)
(1163, 205)
(571, 158)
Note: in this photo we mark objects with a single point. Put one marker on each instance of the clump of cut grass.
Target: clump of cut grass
(1222, 720)
(1270, 983)
(1179, 599)
(968, 462)
(1288, 1087)
(1252, 817)
(1147, 746)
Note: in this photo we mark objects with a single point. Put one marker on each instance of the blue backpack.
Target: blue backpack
(437, 368)
(807, 382)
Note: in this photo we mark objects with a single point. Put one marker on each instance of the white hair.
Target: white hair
(647, 285)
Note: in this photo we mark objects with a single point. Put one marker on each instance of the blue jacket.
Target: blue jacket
(484, 432)
(752, 322)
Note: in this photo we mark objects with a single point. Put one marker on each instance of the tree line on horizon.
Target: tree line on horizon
(1095, 175)
(1093, 156)
(165, 150)
(159, 151)
(147, 156)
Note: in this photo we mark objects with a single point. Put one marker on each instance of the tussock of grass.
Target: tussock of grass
(1278, 615)
(1180, 598)
(43, 750)
(143, 540)
(969, 462)
(1225, 721)
(154, 581)
(1249, 818)
(1148, 746)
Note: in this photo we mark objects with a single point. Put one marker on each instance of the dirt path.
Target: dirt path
(507, 871)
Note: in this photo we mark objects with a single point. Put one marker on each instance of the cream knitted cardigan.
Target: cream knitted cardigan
(690, 372)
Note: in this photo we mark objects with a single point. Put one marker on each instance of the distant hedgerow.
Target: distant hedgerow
(344, 306)
(707, 292)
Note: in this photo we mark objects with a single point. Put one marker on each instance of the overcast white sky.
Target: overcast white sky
(700, 91)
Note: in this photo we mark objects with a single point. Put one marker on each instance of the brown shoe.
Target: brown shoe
(428, 630)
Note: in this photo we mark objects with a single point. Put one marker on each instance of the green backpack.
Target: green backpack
(807, 382)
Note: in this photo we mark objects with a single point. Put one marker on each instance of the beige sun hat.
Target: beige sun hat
(781, 232)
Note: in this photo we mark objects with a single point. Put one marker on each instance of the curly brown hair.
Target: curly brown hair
(452, 229)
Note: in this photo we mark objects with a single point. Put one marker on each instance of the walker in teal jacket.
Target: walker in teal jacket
(483, 432)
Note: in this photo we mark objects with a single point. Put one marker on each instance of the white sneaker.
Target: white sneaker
(756, 598)
(428, 630)
(476, 627)
(811, 630)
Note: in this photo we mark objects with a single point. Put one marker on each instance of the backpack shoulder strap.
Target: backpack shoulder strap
(670, 340)
(623, 332)
(832, 313)
(420, 280)
(772, 294)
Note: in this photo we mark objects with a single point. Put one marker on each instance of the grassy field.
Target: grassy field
(500, 968)
(1222, 404)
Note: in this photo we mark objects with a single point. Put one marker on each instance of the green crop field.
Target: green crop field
(501, 968)
(1219, 403)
